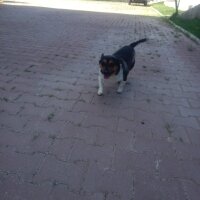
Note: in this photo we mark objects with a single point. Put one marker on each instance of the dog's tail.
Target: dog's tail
(138, 42)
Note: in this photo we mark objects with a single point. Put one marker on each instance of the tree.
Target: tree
(177, 2)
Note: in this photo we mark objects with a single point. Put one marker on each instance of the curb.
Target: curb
(188, 34)
(157, 11)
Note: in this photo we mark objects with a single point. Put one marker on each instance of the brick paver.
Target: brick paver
(59, 140)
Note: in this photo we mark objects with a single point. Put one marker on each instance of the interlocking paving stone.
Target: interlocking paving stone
(60, 140)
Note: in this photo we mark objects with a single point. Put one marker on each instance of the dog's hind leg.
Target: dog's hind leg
(122, 82)
(121, 87)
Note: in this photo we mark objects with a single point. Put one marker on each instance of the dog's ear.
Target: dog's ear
(102, 55)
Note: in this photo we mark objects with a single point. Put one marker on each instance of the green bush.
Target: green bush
(192, 26)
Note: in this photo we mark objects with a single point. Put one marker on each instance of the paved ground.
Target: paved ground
(59, 140)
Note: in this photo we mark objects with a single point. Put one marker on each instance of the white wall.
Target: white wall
(184, 4)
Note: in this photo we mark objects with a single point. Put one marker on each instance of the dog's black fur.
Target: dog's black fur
(118, 64)
(110, 64)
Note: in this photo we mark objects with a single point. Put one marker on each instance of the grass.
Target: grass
(191, 25)
(35, 137)
(190, 48)
(169, 129)
(165, 10)
(50, 116)
(5, 99)
(53, 137)
(27, 70)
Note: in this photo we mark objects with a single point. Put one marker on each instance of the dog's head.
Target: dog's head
(109, 66)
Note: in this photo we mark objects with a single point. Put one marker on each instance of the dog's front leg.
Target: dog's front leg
(100, 79)
(121, 87)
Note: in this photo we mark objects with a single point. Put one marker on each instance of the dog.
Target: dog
(118, 64)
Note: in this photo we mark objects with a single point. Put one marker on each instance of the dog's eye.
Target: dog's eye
(102, 66)
(103, 63)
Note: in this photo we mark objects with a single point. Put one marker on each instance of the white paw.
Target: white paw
(119, 90)
(121, 87)
(100, 92)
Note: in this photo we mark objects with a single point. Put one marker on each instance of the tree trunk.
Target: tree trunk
(177, 2)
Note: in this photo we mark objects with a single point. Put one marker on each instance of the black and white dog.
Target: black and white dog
(119, 64)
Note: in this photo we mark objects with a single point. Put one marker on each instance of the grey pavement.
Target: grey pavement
(60, 141)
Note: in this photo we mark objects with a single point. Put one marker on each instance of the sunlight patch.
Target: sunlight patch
(84, 5)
